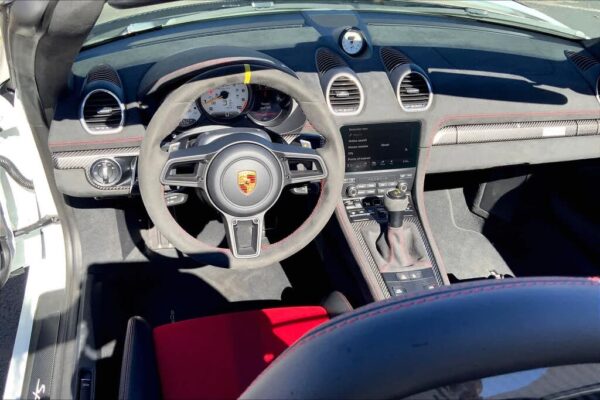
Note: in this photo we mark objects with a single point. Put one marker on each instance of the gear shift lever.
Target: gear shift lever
(399, 245)
(396, 203)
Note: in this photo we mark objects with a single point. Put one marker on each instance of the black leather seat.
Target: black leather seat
(410, 344)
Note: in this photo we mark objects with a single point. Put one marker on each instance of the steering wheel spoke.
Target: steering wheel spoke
(186, 167)
(244, 234)
(300, 164)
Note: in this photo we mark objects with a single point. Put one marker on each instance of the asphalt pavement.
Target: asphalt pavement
(582, 15)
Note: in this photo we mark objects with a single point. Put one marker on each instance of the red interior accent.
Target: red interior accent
(219, 357)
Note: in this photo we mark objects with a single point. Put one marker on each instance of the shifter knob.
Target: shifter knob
(395, 202)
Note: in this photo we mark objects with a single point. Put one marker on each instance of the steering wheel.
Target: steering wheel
(241, 172)
(433, 338)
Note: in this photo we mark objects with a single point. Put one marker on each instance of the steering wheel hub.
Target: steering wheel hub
(244, 179)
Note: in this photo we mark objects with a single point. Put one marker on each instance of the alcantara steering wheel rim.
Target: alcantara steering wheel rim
(152, 160)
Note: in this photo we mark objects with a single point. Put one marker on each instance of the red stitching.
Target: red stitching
(396, 304)
(105, 141)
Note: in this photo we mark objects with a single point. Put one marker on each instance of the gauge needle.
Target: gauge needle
(210, 101)
(224, 95)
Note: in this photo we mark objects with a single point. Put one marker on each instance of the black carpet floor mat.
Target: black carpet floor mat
(11, 302)
(550, 229)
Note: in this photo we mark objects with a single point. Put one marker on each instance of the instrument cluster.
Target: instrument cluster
(260, 104)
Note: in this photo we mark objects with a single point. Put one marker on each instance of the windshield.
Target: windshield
(566, 18)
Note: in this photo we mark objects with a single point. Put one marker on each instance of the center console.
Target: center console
(381, 161)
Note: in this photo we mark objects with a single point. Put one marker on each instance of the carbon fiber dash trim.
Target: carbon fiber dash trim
(514, 131)
(588, 127)
(120, 189)
(69, 160)
(85, 158)
(446, 135)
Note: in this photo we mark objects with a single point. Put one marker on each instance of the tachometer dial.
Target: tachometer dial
(191, 116)
(270, 106)
(227, 101)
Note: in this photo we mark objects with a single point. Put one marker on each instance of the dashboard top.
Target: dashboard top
(476, 70)
(477, 73)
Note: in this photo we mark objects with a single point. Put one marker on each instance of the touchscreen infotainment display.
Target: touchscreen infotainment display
(381, 146)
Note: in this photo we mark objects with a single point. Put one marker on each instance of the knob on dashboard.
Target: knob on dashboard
(106, 172)
(351, 191)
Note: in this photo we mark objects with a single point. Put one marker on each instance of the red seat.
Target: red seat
(218, 357)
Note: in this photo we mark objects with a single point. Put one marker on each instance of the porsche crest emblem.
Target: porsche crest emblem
(246, 181)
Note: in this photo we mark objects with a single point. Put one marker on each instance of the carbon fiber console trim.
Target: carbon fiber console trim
(119, 189)
(513, 131)
(411, 219)
(357, 226)
(415, 220)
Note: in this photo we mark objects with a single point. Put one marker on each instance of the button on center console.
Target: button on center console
(363, 193)
(381, 158)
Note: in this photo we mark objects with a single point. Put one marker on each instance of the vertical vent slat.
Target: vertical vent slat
(327, 60)
(392, 58)
(582, 61)
(104, 73)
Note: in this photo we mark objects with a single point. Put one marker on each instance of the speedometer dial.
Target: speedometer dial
(227, 101)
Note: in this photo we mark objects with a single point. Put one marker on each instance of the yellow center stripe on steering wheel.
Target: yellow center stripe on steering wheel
(247, 74)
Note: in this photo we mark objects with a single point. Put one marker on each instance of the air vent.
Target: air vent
(327, 60)
(343, 91)
(414, 92)
(582, 61)
(104, 73)
(102, 112)
(392, 58)
(345, 95)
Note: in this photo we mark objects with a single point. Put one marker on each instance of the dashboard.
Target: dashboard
(474, 95)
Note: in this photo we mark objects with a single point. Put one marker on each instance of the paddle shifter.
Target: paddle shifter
(396, 203)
